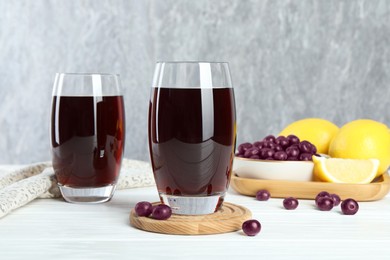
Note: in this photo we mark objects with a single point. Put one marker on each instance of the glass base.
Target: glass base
(87, 195)
(182, 205)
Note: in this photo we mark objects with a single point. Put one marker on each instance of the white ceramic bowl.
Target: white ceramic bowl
(273, 170)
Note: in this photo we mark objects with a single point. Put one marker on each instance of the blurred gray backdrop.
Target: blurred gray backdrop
(288, 59)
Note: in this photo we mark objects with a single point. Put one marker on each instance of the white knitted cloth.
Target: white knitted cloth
(17, 188)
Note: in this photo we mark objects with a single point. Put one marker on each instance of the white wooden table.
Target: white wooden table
(54, 229)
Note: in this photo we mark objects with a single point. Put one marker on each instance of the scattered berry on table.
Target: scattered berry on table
(349, 207)
(263, 195)
(251, 227)
(325, 203)
(290, 203)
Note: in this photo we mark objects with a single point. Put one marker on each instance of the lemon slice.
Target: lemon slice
(338, 170)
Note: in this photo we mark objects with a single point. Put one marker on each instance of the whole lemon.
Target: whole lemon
(363, 139)
(318, 131)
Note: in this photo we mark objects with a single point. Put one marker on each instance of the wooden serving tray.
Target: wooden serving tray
(309, 190)
(228, 219)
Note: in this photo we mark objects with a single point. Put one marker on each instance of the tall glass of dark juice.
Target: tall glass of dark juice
(87, 135)
(192, 132)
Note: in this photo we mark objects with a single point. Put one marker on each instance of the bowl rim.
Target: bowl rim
(270, 161)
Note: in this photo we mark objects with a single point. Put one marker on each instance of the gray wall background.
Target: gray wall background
(289, 60)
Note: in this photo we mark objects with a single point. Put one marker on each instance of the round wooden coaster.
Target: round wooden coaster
(228, 219)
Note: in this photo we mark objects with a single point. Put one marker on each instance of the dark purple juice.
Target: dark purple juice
(192, 140)
(87, 136)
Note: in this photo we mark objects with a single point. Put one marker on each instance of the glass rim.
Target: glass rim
(192, 62)
(87, 74)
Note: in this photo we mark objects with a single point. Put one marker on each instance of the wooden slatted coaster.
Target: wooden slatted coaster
(228, 219)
